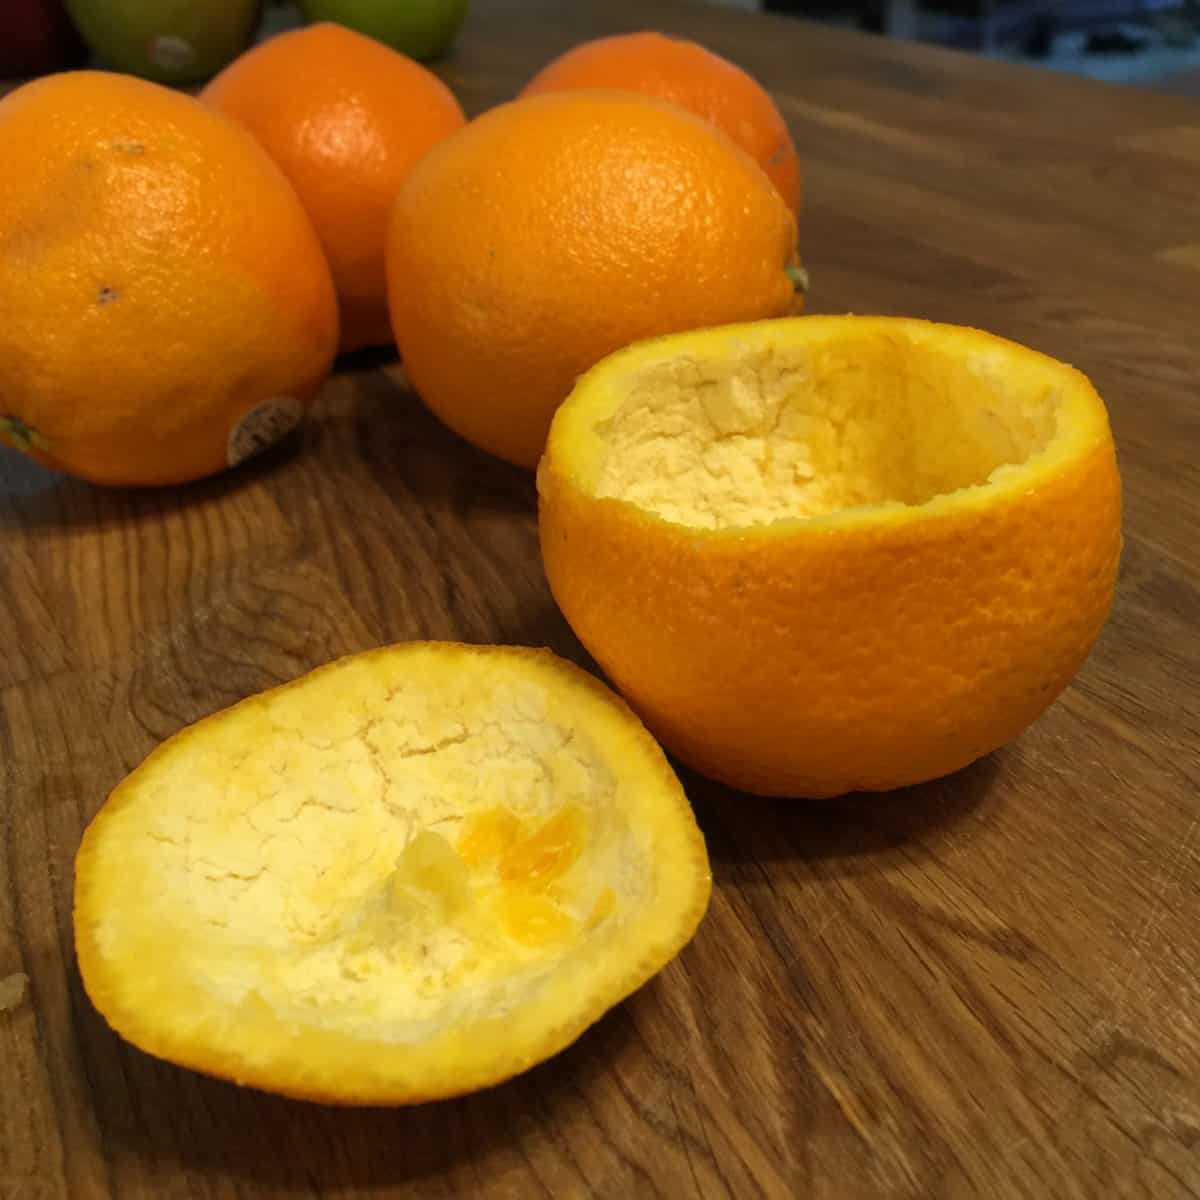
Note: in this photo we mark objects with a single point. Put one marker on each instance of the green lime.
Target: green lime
(171, 41)
(421, 29)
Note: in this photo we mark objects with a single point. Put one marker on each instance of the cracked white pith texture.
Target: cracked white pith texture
(815, 430)
(288, 857)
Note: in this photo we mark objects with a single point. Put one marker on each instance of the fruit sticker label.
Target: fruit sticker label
(263, 426)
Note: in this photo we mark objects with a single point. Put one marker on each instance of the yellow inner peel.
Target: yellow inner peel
(727, 434)
(421, 859)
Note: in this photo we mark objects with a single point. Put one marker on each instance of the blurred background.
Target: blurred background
(1153, 43)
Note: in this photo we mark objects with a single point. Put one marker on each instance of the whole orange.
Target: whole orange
(833, 553)
(685, 72)
(553, 230)
(165, 308)
(346, 118)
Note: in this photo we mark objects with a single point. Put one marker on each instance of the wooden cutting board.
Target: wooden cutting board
(985, 986)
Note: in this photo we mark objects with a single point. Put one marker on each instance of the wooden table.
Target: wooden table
(987, 986)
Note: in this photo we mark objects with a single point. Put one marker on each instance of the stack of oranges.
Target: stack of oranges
(504, 257)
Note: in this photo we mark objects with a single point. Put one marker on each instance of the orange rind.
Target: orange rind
(412, 873)
(825, 554)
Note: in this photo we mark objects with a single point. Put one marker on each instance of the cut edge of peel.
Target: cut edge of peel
(339, 1069)
(575, 449)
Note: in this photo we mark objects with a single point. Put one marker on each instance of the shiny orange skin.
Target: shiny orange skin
(346, 118)
(686, 73)
(556, 229)
(866, 650)
(159, 280)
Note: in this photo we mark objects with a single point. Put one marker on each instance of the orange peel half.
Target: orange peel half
(825, 554)
(411, 873)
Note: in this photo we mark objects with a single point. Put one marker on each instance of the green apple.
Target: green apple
(171, 41)
(419, 28)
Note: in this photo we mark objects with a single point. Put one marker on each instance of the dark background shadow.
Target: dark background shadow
(36, 497)
(367, 418)
(847, 835)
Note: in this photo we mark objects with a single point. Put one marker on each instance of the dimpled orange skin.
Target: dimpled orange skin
(807, 660)
(346, 118)
(686, 73)
(158, 280)
(554, 230)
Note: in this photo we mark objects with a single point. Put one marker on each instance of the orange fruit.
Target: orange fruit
(551, 231)
(346, 118)
(409, 874)
(686, 73)
(165, 309)
(833, 553)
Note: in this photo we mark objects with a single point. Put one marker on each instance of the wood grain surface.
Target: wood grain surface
(987, 986)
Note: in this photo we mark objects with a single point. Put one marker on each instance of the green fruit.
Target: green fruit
(419, 28)
(170, 41)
